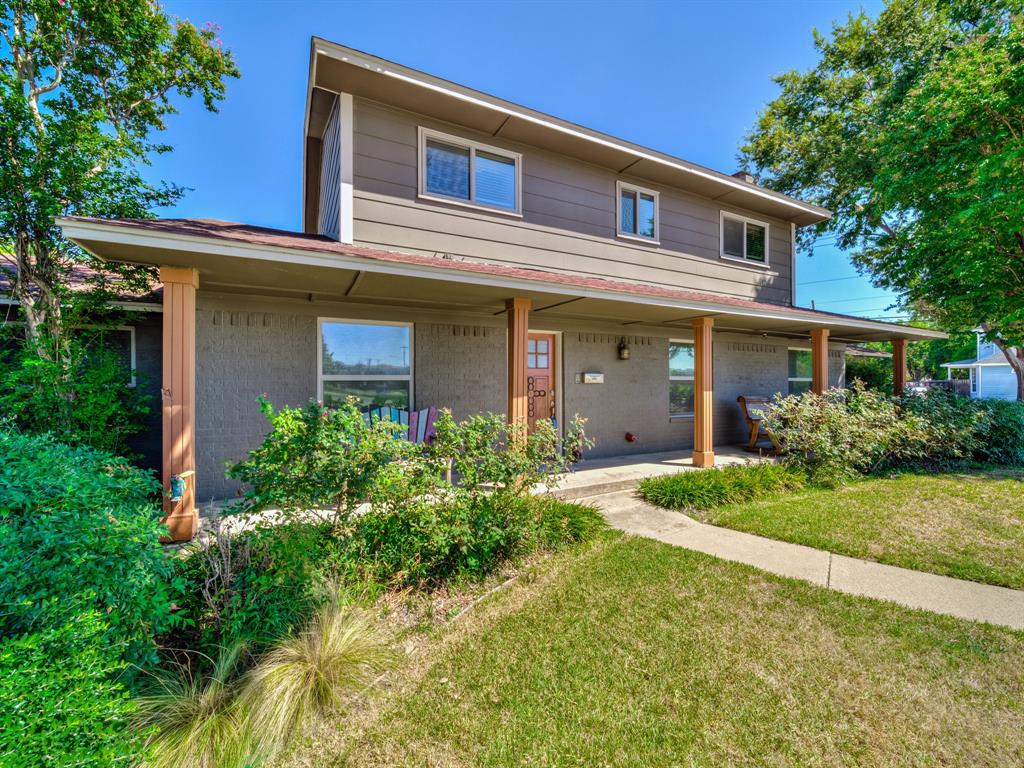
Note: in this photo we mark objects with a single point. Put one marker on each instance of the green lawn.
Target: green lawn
(968, 525)
(634, 653)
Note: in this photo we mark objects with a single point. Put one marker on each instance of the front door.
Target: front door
(540, 376)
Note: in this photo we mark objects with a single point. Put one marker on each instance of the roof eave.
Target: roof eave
(800, 212)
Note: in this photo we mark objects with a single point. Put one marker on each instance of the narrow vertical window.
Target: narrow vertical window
(799, 371)
(680, 378)
(638, 212)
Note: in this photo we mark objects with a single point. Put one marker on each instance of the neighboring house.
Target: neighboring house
(990, 373)
(465, 252)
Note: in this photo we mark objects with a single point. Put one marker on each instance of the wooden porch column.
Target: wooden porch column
(899, 366)
(703, 393)
(819, 360)
(518, 332)
(179, 397)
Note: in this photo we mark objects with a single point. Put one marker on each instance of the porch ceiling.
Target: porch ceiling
(240, 259)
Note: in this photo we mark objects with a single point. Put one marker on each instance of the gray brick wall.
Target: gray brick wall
(633, 397)
(461, 367)
(247, 346)
(241, 355)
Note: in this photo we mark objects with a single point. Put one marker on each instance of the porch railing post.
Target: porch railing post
(899, 366)
(703, 393)
(819, 360)
(179, 398)
(518, 310)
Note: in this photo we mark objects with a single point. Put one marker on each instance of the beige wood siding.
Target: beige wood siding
(568, 222)
(330, 178)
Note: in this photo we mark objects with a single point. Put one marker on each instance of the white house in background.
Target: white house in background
(991, 375)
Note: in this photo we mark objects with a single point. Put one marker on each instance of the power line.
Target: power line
(858, 298)
(830, 280)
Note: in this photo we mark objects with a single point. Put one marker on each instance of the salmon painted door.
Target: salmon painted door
(540, 376)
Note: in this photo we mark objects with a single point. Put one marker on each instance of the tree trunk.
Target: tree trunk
(39, 301)
(1015, 357)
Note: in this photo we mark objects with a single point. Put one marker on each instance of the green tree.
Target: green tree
(83, 85)
(910, 129)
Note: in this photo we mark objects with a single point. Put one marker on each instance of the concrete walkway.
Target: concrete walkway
(941, 594)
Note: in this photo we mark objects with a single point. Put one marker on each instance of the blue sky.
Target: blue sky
(687, 78)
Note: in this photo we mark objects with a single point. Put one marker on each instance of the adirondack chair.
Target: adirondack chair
(753, 411)
(419, 425)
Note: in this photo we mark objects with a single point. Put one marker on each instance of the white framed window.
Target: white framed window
(636, 212)
(744, 239)
(465, 172)
(368, 360)
(974, 380)
(680, 378)
(800, 370)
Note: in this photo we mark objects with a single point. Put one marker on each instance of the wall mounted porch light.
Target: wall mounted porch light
(623, 349)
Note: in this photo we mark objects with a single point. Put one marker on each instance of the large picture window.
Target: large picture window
(680, 378)
(799, 371)
(744, 239)
(369, 361)
(469, 173)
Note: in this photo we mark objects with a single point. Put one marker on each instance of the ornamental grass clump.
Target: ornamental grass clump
(196, 719)
(709, 488)
(308, 674)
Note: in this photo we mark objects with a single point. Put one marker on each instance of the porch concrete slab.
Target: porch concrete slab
(616, 473)
(940, 594)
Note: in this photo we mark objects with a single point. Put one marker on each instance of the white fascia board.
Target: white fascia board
(415, 78)
(112, 233)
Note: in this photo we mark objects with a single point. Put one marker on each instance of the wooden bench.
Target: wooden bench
(753, 411)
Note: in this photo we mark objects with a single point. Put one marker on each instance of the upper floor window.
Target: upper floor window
(638, 212)
(744, 239)
(466, 172)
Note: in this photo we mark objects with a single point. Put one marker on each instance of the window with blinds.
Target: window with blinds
(469, 173)
(744, 239)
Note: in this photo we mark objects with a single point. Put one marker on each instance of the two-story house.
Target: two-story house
(466, 252)
(989, 371)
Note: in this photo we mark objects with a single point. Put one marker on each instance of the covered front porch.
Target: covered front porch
(258, 298)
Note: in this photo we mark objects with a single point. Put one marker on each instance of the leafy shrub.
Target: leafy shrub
(721, 485)
(841, 434)
(316, 458)
(561, 523)
(78, 521)
(61, 702)
(490, 456)
(955, 428)
(1004, 443)
(82, 399)
(254, 585)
